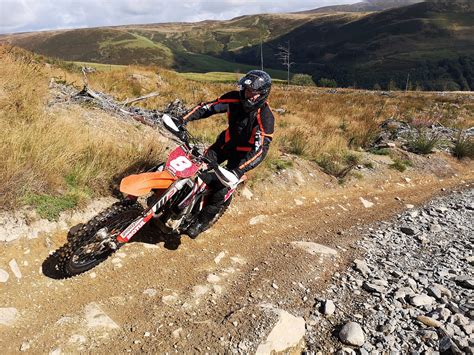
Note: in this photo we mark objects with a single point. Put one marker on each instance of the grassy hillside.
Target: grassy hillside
(199, 47)
(430, 42)
(55, 155)
(365, 6)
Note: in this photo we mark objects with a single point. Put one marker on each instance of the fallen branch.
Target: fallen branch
(151, 118)
(141, 98)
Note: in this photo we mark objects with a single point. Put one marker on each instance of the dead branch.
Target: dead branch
(86, 82)
(151, 118)
(141, 98)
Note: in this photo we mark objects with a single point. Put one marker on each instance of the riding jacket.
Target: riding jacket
(249, 134)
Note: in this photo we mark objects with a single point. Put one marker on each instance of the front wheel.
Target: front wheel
(95, 241)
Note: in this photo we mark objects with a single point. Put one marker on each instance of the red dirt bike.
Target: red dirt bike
(177, 195)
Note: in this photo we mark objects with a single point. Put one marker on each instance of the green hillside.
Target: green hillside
(364, 6)
(430, 44)
(199, 47)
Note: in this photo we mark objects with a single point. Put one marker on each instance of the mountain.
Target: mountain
(364, 6)
(430, 43)
(183, 46)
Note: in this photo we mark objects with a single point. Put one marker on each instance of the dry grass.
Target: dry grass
(41, 150)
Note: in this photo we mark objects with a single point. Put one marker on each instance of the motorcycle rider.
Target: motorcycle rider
(244, 144)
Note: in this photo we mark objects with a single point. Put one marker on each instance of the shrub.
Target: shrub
(463, 147)
(278, 164)
(380, 151)
(392, 86)
(328, 164)
(327, 83)
(295, 142)
(422, 143)
(338, 166)
(303, 80)
(400, 165)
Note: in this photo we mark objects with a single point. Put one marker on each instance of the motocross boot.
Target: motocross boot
(201, 224)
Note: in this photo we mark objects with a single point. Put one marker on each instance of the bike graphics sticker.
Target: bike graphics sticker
(132, 229)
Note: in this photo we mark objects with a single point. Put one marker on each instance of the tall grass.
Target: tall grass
(40, 149)
(422, 143)
(463, 147)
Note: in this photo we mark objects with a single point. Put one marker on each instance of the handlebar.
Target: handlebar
(184, 136)
(225, 176)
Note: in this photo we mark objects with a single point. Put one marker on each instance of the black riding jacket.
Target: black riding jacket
(249, 134)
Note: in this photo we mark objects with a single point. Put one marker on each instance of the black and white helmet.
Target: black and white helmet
(259, 82)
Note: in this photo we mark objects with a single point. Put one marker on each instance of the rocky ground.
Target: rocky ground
(254, 282)
(412, 289)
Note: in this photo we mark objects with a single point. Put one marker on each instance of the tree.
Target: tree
(328, 83)
(392, 85)
(284, 56)
(302, 79)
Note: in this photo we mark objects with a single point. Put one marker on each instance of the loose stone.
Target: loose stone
(352, 334)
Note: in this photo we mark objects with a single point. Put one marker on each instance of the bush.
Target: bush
(303, 80)
(369, 165)
(336, 165)
(400, 165)
(392, 86)
(278, 164)
(295, 142)
(380, 151)
(422, 143)
(327, 83)
(463, 147)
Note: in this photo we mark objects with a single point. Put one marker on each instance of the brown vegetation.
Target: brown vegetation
(52, 151)
(43, 152)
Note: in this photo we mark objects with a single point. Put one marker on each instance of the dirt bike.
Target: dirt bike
(176, 195)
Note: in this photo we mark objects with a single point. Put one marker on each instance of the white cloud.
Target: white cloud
(34, 15)
(15, 14)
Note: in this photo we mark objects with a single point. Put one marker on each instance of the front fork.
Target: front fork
(138, 223)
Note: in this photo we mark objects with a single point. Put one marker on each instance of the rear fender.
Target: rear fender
(142, 184)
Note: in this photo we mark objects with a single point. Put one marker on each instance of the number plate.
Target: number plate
(180, 165)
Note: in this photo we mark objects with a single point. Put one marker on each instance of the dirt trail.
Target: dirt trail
(218, 292)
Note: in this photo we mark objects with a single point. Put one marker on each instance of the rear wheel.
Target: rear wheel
(95, 241)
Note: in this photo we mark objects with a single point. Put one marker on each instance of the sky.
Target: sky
(38, 15)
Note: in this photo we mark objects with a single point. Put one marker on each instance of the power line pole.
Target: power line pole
(261, 53)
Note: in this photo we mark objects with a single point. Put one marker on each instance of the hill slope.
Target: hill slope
(429, 43)
(182, 46)
(432, 42)
(364, 6)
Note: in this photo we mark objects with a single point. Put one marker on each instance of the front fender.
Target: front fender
(141, 184)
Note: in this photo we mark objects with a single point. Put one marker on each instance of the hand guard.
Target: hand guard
(227, 178)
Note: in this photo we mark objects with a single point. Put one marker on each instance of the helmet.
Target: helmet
(259, 82)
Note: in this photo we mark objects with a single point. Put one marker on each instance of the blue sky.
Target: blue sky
(36, 15)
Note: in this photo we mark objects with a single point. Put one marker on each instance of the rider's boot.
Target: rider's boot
(200, 225)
